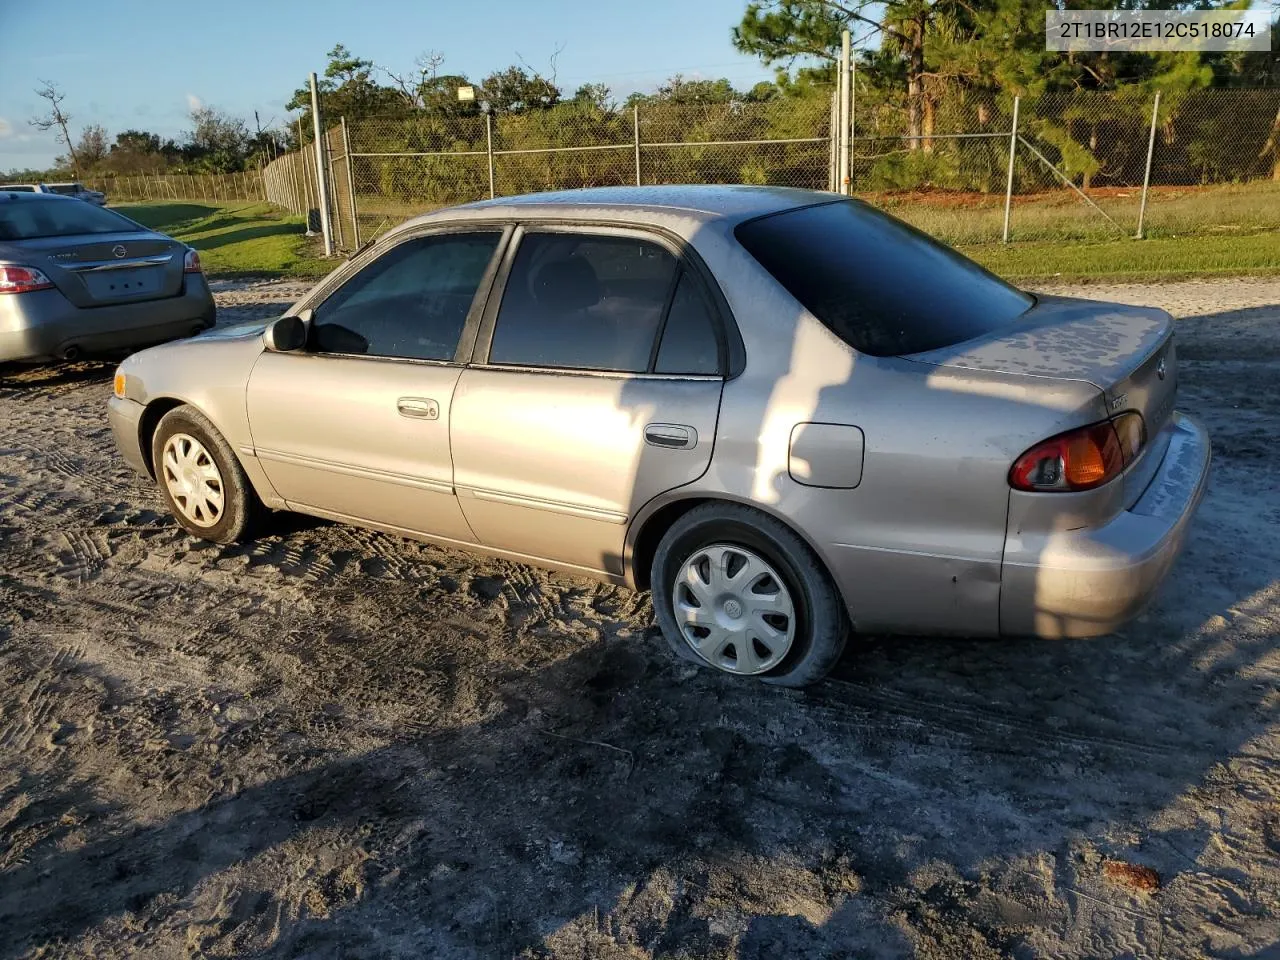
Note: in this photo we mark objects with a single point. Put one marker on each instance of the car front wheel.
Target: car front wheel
(738, 590)
(200, 478)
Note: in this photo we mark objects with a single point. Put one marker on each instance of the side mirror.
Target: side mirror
(285, 335)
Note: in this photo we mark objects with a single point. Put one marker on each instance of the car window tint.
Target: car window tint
(583, 302)
(30, 219)
(410, 303)
(689, 338)
(882, 286)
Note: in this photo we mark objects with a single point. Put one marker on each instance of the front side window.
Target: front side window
(411, 303)
(583, 302)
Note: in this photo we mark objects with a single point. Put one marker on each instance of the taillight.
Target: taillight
(191, 263)
(1081, 459)
(22, 280)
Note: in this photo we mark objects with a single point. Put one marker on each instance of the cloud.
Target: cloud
(6, 128)
(194, 103)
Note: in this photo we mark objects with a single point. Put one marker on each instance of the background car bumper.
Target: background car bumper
(125, 415)
(45, 325)
(1085, 583)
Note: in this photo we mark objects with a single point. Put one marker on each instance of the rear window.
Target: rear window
(28, 220)
(19, 189)
(880, 285)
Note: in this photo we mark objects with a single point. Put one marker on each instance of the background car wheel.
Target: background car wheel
(738, 590)
(201, 479)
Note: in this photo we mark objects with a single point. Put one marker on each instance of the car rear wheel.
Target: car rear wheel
(738, 590)
(200, 478)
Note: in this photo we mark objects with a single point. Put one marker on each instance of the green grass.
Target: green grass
(1163, 258)
(238, 240)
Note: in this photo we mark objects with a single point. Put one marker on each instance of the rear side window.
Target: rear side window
(583, 302)
(689, 344)
(882, 286)
(30, 219)
(411, 303)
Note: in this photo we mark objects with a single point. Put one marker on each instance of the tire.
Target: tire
(209, 466)
(772, 563)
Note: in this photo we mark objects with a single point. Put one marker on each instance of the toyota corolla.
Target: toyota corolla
(790, 416)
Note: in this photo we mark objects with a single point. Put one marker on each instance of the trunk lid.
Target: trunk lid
(1126, 352)
(98, 269)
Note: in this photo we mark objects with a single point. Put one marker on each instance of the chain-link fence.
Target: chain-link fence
(1085, 165)
(215, 187)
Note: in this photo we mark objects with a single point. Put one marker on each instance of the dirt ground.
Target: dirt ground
(333, 743)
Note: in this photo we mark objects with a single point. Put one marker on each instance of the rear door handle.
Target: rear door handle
(674, 436)
(420, 408)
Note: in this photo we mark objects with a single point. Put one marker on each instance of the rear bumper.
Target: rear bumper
(44, 325)
(1085, 583)
(125, 416)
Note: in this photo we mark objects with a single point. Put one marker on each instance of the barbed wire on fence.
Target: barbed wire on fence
(1079, 165)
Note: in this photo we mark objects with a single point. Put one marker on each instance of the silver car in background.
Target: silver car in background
(77, 280)
(77, 190)
(785, 413)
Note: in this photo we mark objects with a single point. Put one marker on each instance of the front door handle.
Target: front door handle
(674, 436)
(419, 408)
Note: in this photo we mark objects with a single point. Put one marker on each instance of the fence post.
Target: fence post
(351, 187)
(335, 216)
(488, 140)
(635, 126)
(844, 112)
(322, 188)
(1008, 190)
(1146, 177)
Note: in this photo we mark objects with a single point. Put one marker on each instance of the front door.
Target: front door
(357, 425)
(599, 390)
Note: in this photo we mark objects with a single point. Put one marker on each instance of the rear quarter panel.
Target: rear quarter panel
(917, 544)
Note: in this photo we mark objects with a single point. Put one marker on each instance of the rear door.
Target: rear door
(595, 387)
(357, 425)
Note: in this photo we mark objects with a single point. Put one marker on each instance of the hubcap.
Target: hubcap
(733, 609)
(191, 476)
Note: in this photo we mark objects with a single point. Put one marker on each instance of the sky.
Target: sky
(144, 64)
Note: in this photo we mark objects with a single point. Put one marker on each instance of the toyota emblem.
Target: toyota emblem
(1160, 369)
(119, 251)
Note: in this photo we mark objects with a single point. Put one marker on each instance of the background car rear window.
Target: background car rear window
(31, 219)
(583, 302)
(882, 286)
(411, 303)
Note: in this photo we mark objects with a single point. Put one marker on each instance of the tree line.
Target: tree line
(923, 66)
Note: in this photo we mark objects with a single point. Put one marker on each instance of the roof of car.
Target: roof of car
(706, 202)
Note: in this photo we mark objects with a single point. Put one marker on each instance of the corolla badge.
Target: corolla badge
(118, 251)
(1160, 369)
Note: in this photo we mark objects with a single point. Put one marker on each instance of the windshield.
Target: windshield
(880, 285)
(27, 220)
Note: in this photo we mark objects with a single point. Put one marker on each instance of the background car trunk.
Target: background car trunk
(1126, 352)
(90, 270)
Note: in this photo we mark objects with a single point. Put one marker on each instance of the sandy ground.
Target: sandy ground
(333, 743)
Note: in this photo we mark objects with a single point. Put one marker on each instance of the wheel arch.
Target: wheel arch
(149, 422)
(657, 517)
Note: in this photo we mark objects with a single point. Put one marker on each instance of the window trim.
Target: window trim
(466, 339)
(730, 350)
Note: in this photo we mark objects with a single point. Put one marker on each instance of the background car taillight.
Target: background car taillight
(1081, 459)
(191, 263)
(22, 280)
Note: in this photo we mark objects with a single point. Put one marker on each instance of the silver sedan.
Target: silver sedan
(788, 415)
